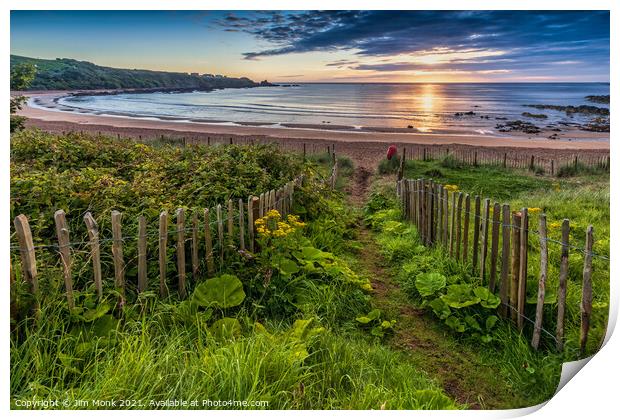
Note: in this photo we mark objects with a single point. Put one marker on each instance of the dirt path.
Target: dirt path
(456, 367)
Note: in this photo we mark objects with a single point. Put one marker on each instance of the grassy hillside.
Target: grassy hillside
(66, 73)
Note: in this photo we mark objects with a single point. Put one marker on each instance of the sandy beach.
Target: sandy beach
(362, 146)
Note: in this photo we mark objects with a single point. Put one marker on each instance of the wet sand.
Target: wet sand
(360, 145)
(578, 139)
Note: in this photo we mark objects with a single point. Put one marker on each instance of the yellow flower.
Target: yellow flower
(273, 214)
(555, 225)
(452, 188)
(534, 209)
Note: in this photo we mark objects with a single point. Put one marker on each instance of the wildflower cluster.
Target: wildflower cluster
(452, 188)
(274, 226)
(534, 209)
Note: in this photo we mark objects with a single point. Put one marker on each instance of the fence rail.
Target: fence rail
(499, 259)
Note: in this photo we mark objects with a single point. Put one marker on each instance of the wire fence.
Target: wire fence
(221, 231)
(500, 254)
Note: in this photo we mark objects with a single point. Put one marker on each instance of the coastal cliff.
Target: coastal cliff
(68, 74)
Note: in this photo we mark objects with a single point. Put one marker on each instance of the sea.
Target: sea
(421, 107)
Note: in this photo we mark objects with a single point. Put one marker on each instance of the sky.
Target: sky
(330, 46)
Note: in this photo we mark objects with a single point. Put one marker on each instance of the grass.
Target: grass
(155, 358)
(156, 352)
(583, 199)
(521, 376)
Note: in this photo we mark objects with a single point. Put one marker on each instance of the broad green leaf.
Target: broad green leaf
(487, 299)
(225, 291)
(471, 321)
(491, 321)
(288, 267)
(386, 325)
(460, 296)
(310, 253)
(486, 338)
(429, 283)
(455, 323)
(377, 331)
(440, 308)
(374, 314)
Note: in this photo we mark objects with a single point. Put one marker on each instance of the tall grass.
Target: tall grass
(155, 358)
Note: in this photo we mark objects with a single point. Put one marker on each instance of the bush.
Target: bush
(576, 169)
(387, 167)
(449, 161)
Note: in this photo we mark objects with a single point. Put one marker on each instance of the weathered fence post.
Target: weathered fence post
(93, 236)
(28, 259)
(220, 232)
(504, 286)
(466, 227)
(241, 225)
(195, 262)
(62, 233)
(163, 257)
(562, 285)
(522, 266)
(180, 216)
(445, 228)
(208, 244)
(586, 293)
(484, 238)
(429, 212)
(452, 223)
(474, 260)
(117, 253)
(544, 255)
(459, 210)
(515, 264)
(142, 254)
(494, 246)
(230, 230)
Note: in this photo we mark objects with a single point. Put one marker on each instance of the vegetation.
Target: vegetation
(281, 326)
(22, 76)
(584, 200)
(446, 289)
(338, 308)
(66, 73)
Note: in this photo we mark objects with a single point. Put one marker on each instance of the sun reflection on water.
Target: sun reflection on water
(429, 102)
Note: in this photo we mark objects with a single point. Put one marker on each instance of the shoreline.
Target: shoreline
(574, 139)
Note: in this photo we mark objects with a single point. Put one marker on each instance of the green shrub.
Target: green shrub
(387, 167)
(450, 161)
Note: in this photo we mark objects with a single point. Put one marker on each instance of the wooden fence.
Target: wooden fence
(497, 247)
(224, 229)
(523, 159)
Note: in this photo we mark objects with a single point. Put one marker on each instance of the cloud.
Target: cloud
(533, 37)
